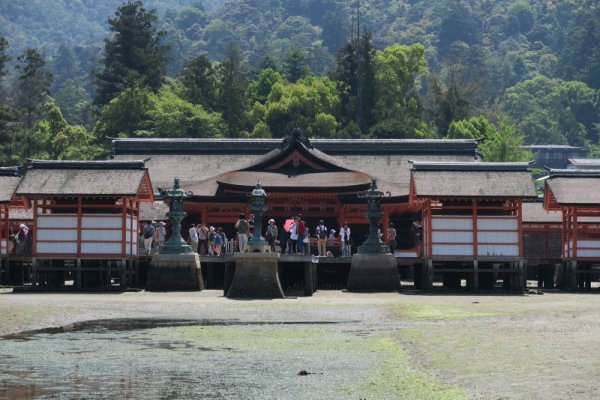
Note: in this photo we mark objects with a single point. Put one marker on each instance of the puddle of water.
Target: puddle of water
(125, 324)
(130, 358)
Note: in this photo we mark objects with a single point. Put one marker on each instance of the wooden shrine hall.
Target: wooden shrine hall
(575, 193)
(472, 221)
(317, 178)
(9, 180)
(85, 219)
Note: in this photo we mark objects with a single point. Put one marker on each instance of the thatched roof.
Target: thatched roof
(155, 211)
(534, 213)
(9, 180)
(198, 162)
(452, 180)
(575, 186)
(8, 185)
(83, 178)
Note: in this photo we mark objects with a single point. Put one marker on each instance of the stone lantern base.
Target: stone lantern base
(175, 272)
(373, 273)
(256, 276)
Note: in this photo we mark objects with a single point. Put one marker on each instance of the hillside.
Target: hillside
(530, 63)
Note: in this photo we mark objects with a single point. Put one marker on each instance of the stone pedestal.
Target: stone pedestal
(175, 272)
(373, 273)
(256, 276)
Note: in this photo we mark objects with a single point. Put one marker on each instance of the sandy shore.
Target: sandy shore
(439, 346)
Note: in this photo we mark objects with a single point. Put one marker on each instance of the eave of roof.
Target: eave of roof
(87, 165)
(9, 171)
(261, 146)
(470, 166)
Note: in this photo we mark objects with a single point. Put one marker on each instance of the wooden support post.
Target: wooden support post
(308, 279)
(78, 273)
(475, 275)
(521, 275)
(34, 271)
(428, 278)
(573, 275)
(122, 269)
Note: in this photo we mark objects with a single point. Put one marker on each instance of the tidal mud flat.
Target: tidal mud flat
(334, 345)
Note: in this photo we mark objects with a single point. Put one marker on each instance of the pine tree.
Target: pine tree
(134, 55)
(200, 83)
(232, 95)
(295, 66)
(367, 85)
(4, 57)
(33, 84)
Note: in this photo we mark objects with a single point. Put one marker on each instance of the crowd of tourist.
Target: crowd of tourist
(293, 237)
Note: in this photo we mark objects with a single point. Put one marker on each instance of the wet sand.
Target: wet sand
(332, 345)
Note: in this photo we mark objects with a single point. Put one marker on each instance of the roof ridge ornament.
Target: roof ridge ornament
(297, 136)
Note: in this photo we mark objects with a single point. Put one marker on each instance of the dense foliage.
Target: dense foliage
(509, 72)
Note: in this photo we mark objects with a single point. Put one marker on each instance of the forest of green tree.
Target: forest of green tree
(508, 72)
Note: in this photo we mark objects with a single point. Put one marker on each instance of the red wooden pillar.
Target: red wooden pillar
(79, 218)
(520, 226)
(575, 227)
(124, 202)
(427, 207)
(35, 227)
(475, 238)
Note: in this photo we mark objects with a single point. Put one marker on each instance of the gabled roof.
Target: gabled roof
(295, 165)
(573, 187)
(198, 161)
(478, 180)
(9, 180)
(584, 163)
(86, 178)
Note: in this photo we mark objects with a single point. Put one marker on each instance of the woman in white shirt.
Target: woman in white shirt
(294, 236)
(346, 241)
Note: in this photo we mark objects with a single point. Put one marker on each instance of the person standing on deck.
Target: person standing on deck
(301, 230)
(271, 234)
(321, 233)
(161, 233)
(22, 237)
(148, 233)
(391, 238)
(346, 243)
(294, 237)
(202, 231)
(243, 228)
(193, 238)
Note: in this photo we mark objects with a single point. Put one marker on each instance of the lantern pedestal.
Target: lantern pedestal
(373, 273)
(177, 267)
(256, 276)
(175, 272)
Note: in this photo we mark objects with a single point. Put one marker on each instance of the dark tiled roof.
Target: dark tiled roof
(9, 171)
(262, 146)
(91, 165)
(470, 166)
